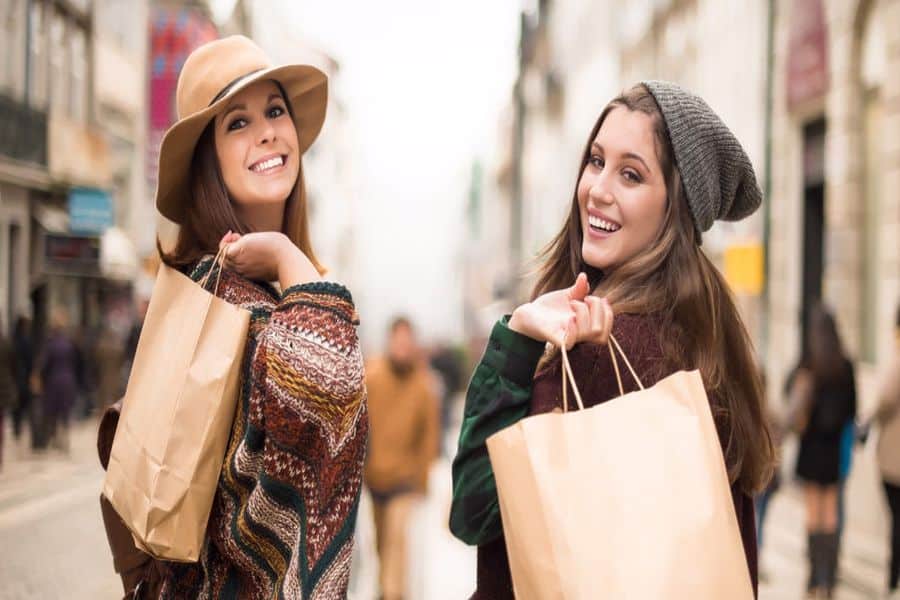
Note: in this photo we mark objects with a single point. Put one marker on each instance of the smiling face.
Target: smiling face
(257, 148)
(622, 191)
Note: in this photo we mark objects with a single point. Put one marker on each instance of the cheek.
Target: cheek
(230, 159)
(649, 211)
(581, 192)
(287, 132)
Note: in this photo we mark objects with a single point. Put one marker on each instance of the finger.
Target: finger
(598, 317)
(571, 337)
(563, 334)
(582, 319)
(580, 288)
(233, 250)
(224, 240)
(608, 319)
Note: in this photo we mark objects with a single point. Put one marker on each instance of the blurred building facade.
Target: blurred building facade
(86, 91)
(71, 90)
(835, 226)
(804, 86)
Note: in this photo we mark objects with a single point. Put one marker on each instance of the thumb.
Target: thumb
(580, 288)
(233, 248)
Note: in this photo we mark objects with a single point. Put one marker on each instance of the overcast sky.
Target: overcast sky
(424, 83)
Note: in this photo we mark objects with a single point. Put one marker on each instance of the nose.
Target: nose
(266, 133)
(599, 193)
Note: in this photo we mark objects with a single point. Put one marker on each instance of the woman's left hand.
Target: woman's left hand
(255, 255)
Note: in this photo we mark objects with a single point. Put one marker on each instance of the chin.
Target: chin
(272, 195)
(596, 259)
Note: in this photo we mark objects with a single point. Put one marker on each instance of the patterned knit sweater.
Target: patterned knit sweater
(283, 517)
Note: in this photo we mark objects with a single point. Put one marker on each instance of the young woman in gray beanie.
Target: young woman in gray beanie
(659, 168)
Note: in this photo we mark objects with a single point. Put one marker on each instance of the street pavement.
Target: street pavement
(53, 546)
(52, 541)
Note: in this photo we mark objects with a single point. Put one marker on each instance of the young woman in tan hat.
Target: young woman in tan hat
(659, 167)
(230, 174)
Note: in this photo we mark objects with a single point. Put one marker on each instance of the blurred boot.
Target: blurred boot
(811, 554)
(830, 546)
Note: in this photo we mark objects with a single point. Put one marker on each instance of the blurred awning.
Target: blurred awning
(118, 257)
(53, 219)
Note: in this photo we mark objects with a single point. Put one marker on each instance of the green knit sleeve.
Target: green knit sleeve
(498, 396)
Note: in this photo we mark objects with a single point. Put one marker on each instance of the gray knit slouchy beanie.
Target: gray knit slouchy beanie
(718, 177)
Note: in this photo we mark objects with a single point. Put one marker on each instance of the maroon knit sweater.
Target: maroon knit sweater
(592, 367)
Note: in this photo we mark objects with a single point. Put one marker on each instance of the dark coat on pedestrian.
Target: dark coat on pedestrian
(830, 405)
(24, 360)
(8, 392)
(59, 364)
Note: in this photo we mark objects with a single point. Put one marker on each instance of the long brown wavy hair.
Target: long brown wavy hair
(210, 214)
(674, 279)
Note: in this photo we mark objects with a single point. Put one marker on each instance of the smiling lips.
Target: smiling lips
(601, 224)
(268, 164)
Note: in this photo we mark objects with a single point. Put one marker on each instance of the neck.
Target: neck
(265, 217)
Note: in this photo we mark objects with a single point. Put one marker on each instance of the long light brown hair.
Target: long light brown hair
(674, 279)
(210, 214)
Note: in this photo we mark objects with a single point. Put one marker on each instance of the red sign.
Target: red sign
(174, 33)
(807, 67)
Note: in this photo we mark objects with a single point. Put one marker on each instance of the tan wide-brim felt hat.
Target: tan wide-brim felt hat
(212, 74)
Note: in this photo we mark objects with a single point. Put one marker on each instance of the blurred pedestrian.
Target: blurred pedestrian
(658, 169)
(823, 401)
(126, 353)
(23, 353)
(8, 394)
(230, 175)
(134, 332)
(403, 443)
(887, 419)
(109, 358)
(773, 415)
(57, 374)
(447, 363)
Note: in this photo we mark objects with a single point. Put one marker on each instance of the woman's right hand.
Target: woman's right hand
(268, 256)
(569, 315)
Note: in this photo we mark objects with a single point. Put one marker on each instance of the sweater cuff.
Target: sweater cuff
(329, 288)
(515, 356)
(323, 295)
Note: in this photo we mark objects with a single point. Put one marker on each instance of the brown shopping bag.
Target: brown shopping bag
(177, 416)
(625, 500)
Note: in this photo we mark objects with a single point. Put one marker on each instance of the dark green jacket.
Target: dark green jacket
(498, 396)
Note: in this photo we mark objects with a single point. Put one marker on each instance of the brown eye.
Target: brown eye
(632, 176)
(238, 123)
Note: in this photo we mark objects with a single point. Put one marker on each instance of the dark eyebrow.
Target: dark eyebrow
(233, 108)
(637, 157)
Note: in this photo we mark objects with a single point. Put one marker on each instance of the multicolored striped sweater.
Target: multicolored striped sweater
(285, 509)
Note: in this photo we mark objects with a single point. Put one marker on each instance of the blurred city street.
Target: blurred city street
(54, 546)
(452, 137)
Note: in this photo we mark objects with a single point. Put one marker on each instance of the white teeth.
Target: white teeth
(267, 164)
(602, 224)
